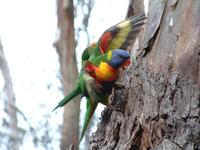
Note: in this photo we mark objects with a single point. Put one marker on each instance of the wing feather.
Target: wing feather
(122, 34)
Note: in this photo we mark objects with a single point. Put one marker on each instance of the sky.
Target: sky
(27, 32)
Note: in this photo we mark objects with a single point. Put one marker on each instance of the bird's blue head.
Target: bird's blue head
(119, 57)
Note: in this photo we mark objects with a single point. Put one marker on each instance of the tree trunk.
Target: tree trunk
(66, 51)
(135, 7)
(10, 107)
(159, 105)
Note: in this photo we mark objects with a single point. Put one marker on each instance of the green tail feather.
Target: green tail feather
(91, 106)
(69, 97)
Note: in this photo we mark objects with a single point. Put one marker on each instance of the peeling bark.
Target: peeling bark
(135, 7)
(155, 14)
(158, 106)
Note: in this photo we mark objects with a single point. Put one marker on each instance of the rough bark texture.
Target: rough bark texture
(10, 107)
(158, 106)
(135, 7)
(66, 50)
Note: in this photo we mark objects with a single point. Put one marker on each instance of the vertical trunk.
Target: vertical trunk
(10, 107)
(66, 51)
(159, 105)
(135, 7)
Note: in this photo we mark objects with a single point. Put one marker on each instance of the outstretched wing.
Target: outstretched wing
(121, 35)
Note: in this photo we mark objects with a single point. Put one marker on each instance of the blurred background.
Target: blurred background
(39, 66)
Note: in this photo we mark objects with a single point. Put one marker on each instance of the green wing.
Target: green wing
(75, 92)
(78, 90)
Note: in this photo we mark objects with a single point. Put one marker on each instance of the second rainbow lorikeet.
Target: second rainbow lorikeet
(100, 64)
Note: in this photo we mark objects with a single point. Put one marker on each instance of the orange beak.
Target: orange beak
(126, 63)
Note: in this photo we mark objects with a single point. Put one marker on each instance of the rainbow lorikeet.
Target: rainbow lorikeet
(119, 36)
(97, 91)
(103, 78)
(100, 64)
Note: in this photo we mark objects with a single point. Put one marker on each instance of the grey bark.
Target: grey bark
(10, 107)
(135, 7)
(159, 105)
(66, 50)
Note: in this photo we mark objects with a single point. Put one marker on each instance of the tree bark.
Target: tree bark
(66, 51)
(10, 106)
(159, 105)
(135, 7)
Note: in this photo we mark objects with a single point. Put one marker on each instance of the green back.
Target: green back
(97, 60)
